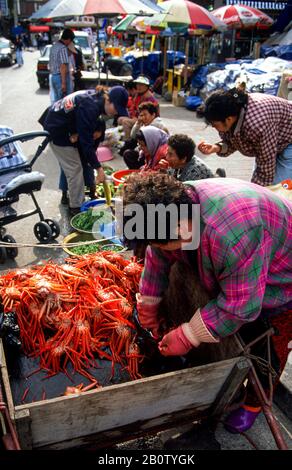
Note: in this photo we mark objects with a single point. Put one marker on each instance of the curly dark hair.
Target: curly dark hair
(222, 104)
(153, 188)
(183, 146)
(148, 106)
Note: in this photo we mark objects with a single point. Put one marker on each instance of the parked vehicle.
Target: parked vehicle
(43, 67)
(82, 39)
(117, 66)
(7, 52)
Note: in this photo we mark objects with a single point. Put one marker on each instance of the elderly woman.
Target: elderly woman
(241, 248)
(148, 116)
(153, 148)
(184, 164)
(258, 126)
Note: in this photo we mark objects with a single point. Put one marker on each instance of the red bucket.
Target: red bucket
(119, 177)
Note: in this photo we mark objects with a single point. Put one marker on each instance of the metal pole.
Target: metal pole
(266, 406)
(98, 50)
(15, 11)
(187, 50)
(251, 43)
(233, 43)
(164, 58)
(143, 50)
(266, 402)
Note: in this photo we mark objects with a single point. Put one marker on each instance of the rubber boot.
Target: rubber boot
(242, 419)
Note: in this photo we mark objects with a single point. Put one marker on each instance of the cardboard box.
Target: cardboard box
(177, 99)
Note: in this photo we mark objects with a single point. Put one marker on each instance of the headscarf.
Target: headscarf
(154, 138)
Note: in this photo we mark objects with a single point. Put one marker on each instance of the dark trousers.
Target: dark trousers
(132, 160)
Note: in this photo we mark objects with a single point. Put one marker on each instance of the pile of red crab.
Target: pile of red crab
(76, 312)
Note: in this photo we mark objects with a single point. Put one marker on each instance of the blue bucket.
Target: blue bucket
(87, 205)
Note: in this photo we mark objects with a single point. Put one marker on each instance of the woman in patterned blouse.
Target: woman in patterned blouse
(242, 254)
(256, 125)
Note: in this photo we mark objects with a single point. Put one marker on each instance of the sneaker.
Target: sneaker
(74, 210)
(64, 198)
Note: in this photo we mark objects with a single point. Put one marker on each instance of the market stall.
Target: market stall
(50, 414)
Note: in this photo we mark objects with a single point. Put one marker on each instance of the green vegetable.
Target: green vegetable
(86, 220)
(115, 248)
(85, 249)
(100, 190)
(108, 171)
(94, 248)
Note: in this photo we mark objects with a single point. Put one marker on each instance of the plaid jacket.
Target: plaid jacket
(244, 258)
(263, 131)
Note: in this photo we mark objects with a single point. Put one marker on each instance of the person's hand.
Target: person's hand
(100, 175)
(73, 138)
(175, 343)
(147, 308)
(187, 336)
(163, 164)
(207, 149)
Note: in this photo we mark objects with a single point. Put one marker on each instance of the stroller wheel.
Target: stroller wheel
(43, 232)
(3, 255)
(11, 252)
(54, 226)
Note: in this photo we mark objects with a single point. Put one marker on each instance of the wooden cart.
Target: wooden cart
(122, 412)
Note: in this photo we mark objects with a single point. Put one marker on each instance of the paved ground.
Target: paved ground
(21, 104)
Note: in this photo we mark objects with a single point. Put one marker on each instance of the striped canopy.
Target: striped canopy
(103, 8)
(242, 16)
(183, 12)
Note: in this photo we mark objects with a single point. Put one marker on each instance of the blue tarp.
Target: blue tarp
(199, 78)
(192, 102)
(152, 64)
(283, 52)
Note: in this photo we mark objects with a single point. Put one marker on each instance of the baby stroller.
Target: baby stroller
(17, 177)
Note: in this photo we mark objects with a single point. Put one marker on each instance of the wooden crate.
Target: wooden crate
(121, 412)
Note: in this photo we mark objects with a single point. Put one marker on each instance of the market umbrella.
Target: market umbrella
(135, 23)
(45, 10)
(125, 24)
(103, 8)
(182, 13)
(241, 16)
